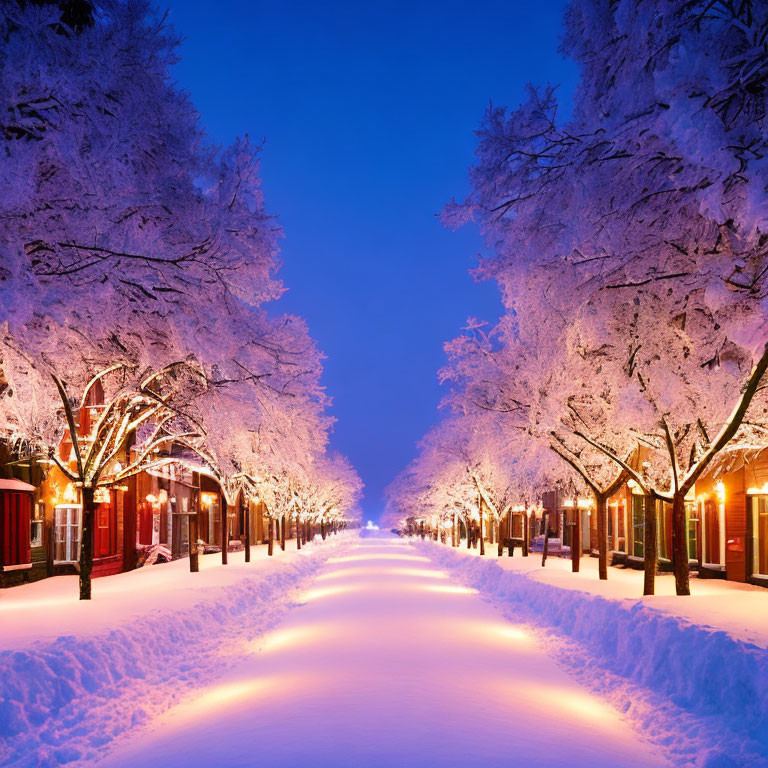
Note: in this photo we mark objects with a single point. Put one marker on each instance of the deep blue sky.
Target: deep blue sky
(368, 111)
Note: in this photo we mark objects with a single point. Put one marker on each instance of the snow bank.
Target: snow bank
(718, 678)
(64, 700)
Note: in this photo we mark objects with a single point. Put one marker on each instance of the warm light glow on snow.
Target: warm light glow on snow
(224, 693)
(340, 573)
(40, 602)
(566, 703)
(217, 696)
(317, 594)
(368, 558)
(450, 589)
(503, 634)
(419, 573)
(290, 637)
(355, 572)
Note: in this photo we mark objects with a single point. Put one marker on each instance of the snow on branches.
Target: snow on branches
(630, 247)
(138, 258)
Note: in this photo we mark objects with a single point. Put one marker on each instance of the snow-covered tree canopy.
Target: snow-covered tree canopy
(630, 245)
(130, 244)
(634, 232)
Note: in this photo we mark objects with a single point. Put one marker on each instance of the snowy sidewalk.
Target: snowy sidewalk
(389, 662)
(47, 609)
(741, 610)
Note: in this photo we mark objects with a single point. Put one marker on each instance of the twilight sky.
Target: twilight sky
(368, 111)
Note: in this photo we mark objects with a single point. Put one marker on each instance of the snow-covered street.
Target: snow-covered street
(388, 661)
(383, 387)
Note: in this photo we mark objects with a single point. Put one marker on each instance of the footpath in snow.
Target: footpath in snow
(387, 661)
(76, 675)
(693, 671)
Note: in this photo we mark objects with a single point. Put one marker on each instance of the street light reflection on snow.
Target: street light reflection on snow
(355, 573)
(421, 573)
(317, 594)
(568, 704)
(375, 556)
(449, 589)
(219, 696)
(340, 573)
(380, 571)
(289, 637)
(502, 634)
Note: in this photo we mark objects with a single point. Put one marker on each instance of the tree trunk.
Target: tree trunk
(282, 533)
(650, 552)
(298, 534)
(482, 537)
(601, 511)
(247, 520)
(224, 532)
(526, 533)
(86, 542)
(194, 555)
(271, 539)
(322, 529)
(545, 549)
(576, 540)
(679, 545)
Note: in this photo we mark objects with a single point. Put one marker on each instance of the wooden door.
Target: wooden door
(15, 523)
(105, 532)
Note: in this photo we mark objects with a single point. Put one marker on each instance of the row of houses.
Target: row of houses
(158, 515)
(163, 513)
(726, 523)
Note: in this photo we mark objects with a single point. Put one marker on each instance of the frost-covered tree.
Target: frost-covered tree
(648, 206)
(517, 378)
(131, 251)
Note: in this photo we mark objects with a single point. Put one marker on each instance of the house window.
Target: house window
(105, 533)
(618, 517)
(638, 526)
(759, 535)
(67, 529)
(712, 541)
(36, 525)
(214, 521)
(663, 530)
(692, 529)
(36, 534)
